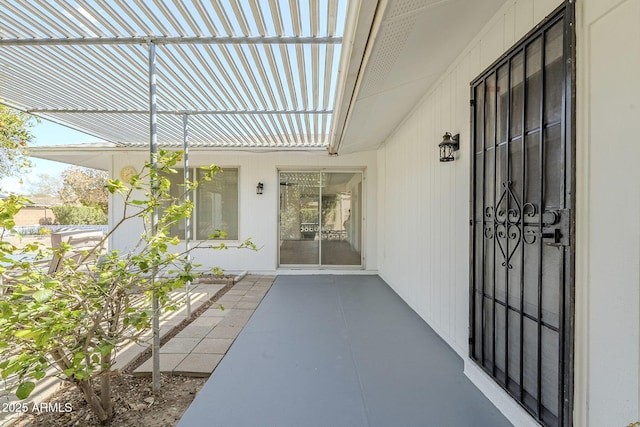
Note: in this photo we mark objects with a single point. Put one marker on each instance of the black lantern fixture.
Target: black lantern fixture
(259, 188)
(449, 144)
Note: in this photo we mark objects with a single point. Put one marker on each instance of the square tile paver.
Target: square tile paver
(193, 331)
(247, 305)
(214, 311)
(221, 331)
(179, 345)
(229, 298)
(241, 313)
(235, 291)
(198, 365)
(228, 304)
(213, 346)
(256, 293)
(209, 321)
(168, 362)
(237, 317)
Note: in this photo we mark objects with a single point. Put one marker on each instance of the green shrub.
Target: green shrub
(79, 215)
(26, 230)
(44, 231)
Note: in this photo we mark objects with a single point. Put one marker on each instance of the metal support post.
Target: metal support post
(153, 141)
(187, 199)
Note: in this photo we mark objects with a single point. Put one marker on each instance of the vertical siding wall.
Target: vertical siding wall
(608, 214)
(424, 212)
(424, 204)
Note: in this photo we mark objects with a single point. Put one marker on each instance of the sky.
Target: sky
(45, 133)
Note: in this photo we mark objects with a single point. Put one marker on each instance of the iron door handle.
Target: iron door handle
(555, 226)
(550, 218)
(553, 234)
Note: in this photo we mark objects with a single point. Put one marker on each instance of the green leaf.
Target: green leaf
(77, 358)
(22, 333)
(43, 295)
(105, 348)
(25, 389)
(42, 339)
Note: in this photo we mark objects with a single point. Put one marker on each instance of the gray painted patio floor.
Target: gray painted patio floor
(338, 351)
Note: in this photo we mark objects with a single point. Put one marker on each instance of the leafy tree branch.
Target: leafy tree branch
(78, 317)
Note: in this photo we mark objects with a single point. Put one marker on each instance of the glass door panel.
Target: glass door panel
(299, 218)
(341, 218)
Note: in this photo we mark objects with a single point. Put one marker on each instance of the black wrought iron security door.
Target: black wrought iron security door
(522, 181)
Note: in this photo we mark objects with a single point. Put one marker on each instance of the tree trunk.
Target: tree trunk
(94, 402)
(103, 411)
(105, 385)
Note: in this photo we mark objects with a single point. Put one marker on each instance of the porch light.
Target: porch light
(448, 145)
(259, 188)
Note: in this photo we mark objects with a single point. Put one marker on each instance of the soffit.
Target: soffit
(410, 48)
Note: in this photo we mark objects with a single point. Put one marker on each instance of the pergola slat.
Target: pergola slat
(85, 64)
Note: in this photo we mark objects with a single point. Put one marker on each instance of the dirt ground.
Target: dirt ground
(134, 404)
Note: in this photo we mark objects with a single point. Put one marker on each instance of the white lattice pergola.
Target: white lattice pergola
(243, 74)
(177, 73)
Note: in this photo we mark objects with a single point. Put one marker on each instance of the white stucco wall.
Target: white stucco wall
(259, 213)
(423, 226)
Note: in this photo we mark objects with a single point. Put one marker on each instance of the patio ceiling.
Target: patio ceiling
(410, 46)
(249, 74)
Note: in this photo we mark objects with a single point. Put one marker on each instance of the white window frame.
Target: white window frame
(194, 198)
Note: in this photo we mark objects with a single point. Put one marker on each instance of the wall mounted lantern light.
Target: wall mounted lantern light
(259, 188)
(449, 144)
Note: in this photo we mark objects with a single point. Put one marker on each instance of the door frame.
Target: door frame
(363, 207)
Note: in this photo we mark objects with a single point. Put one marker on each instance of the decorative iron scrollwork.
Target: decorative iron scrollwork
(530, 210)
(489, 224)
(530, 235)
(505, 222)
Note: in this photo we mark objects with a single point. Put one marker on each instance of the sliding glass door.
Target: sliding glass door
(299, 218)
(320, 218)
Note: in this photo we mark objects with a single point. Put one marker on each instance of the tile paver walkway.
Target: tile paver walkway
(200, 294)
(198, 348)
